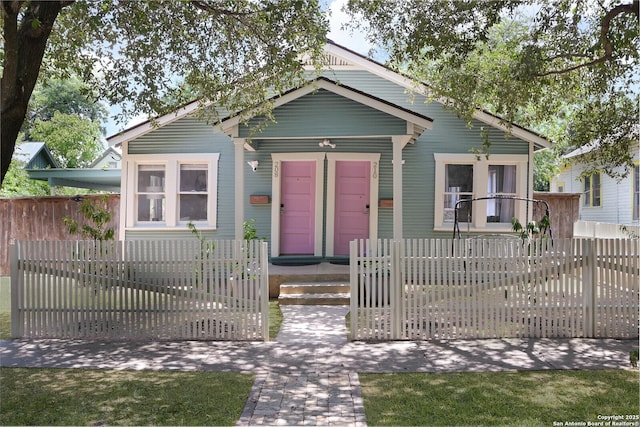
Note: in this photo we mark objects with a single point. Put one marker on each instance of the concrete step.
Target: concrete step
(315, 288)
(315, 293)
(314, 299)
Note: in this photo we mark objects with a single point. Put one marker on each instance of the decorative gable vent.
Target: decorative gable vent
(331, 61)
(336, 60)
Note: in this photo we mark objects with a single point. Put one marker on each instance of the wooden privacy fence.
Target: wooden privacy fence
(494, 288)
(140, 290)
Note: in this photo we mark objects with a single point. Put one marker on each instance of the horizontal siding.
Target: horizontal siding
(379, 88)
(326, 114)
(616, 197)
(187, 135)
(184, 234)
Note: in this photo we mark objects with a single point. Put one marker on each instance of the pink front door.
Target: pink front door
(297, 207)
(352, 204)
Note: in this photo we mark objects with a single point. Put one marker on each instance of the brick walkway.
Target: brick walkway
(306, 396)
(305, 400)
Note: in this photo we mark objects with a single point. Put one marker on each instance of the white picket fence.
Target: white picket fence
(140, 290)
(494, 288)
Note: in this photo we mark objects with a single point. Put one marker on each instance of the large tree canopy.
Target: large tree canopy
(568, 68)
(142, 54)
(67, 96)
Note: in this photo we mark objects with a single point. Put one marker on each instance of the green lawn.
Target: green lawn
(100, 397)
(528, 398)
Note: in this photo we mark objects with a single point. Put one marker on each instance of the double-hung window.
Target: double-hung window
(193, 194)
(172, 190)
(150, 193)
(501, 184)
(462, 177)
(458, 186)
(591, 195)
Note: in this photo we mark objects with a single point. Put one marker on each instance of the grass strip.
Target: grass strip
(528, 398)
(106, 397)
(275, 319)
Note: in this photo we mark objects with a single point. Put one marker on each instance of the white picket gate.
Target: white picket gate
(494, 288)
(140, 290)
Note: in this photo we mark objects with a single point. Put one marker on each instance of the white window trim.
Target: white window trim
(480, 179)
(172, 164)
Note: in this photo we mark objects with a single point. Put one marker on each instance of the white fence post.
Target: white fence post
(16, 290)
(589, 266)
(396, 290)
(264, 283)
(353, 279)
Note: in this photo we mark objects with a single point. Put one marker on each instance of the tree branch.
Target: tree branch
(238, 16)
(209, 8)
(605, 25)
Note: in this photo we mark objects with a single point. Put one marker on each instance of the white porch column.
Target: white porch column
(238, 144)
(529, 207)
(398, 141)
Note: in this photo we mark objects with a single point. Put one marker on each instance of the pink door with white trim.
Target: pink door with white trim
(297, 207)
(352, 203)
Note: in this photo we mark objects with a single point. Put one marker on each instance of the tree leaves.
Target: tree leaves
(564, 65)
(142, 54)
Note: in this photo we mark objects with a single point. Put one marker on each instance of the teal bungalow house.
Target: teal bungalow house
(358, 152)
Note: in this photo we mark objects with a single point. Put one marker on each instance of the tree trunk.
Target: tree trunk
(27, 26)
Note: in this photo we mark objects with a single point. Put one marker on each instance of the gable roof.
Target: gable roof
(416, 123)
(339, 57)
(115, 154)
(35, 155)
(346, 58)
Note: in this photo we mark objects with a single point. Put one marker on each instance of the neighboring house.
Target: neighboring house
(34, 155)
(603, 199)
(355, 153)
(104, 173)
(111, 158)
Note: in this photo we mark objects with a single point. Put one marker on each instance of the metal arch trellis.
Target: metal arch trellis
(459, 203)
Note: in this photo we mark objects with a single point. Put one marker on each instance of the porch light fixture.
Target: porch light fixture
(253, 164)
(327, 143)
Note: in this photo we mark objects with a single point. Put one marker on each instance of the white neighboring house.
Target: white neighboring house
(111, 158)
(603, 199)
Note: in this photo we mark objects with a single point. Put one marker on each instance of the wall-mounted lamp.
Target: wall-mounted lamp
(253, 164)
(326, 143)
